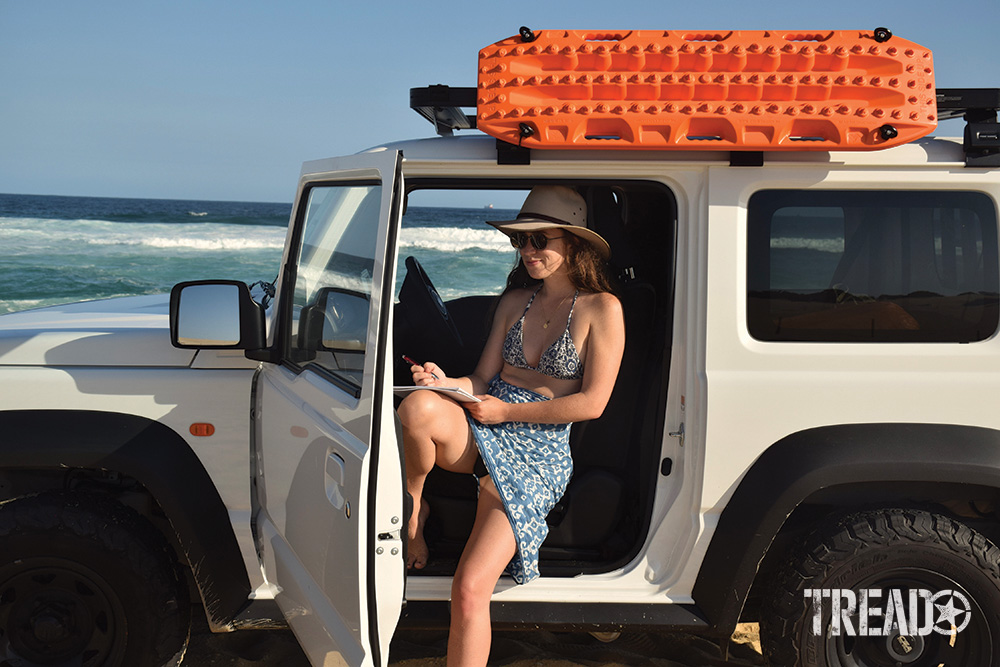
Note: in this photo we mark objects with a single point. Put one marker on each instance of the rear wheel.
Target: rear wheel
(87, 582)
(936, 576)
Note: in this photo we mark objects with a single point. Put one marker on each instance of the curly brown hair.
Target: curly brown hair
(587, 271)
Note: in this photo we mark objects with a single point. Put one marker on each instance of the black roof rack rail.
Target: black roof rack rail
(978, 106)
(442, 106)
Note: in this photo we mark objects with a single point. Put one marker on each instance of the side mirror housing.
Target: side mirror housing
(336, 322)
(215, 314)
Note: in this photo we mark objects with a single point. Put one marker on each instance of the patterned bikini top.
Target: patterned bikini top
(560, 360)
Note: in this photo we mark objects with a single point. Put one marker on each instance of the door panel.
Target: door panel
(324, 454)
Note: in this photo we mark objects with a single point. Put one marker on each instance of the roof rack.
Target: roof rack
(978, 106)
(749, 91)
(443, 106)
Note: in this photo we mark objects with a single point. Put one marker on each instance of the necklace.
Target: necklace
(555, 311)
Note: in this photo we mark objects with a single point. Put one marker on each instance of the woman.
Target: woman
(551, 359)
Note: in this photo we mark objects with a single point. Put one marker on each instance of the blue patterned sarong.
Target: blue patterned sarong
(530, 465)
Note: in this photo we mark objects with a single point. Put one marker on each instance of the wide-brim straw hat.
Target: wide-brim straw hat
(554, 207)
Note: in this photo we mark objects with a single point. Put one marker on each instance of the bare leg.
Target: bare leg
(490, 547)
(435, 430)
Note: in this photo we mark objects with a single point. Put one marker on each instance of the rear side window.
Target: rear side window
(864, 266)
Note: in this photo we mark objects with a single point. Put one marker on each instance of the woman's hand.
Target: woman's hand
(489, 410)
(428, 375)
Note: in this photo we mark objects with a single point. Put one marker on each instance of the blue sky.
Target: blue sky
(225, 100)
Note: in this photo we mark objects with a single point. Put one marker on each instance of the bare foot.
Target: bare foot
(417, 551)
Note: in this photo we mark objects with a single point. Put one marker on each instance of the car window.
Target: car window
(861, 266)
(333, 282)
(446, 231)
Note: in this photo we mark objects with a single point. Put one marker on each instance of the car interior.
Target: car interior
(602, 520)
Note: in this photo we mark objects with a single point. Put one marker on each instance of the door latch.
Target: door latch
(679, 434)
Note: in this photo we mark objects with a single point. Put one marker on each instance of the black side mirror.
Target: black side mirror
(215, 314)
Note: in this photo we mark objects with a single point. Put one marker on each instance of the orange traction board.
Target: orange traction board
(738, 90)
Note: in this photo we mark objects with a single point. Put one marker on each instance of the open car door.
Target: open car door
(329, 479)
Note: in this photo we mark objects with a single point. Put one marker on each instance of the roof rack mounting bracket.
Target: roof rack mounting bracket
(746, 158)
(512, 154)
(442, 106)
(978, 106)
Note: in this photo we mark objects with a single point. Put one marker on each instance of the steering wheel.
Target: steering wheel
(425, 307)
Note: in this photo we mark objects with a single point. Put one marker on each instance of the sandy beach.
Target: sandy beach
(538, 648)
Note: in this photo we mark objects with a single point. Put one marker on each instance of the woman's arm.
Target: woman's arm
(605, 345)
(490, 361)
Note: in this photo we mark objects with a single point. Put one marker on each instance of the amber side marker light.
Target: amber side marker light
(202, 429)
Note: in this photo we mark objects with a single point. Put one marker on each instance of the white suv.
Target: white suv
(799, 433)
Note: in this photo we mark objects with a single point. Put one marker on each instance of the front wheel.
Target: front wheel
(87, 582)
(887, 588)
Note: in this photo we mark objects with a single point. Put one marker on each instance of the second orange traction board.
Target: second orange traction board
(739, 90)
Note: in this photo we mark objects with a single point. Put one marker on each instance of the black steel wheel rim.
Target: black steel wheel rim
(973, 645)
(59, 613)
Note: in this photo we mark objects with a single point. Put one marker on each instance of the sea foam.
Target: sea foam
(453, 239)
(29, 233)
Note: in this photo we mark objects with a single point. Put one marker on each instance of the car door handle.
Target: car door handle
(335, 475)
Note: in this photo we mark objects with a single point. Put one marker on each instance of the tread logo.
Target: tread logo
(874, 612)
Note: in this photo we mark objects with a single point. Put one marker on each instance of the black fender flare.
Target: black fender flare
(160, 460)
(802, 463)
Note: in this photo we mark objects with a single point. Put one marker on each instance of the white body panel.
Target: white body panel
(817, 384)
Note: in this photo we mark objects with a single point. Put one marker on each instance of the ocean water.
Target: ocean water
(64, 249)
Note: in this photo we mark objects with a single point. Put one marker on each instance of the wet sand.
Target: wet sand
(538, 648)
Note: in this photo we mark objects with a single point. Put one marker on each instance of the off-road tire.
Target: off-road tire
(88, 582)
(886, 549)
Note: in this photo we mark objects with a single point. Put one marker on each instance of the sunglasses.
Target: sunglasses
(538, 241)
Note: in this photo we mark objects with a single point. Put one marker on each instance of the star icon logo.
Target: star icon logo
(954, 612)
